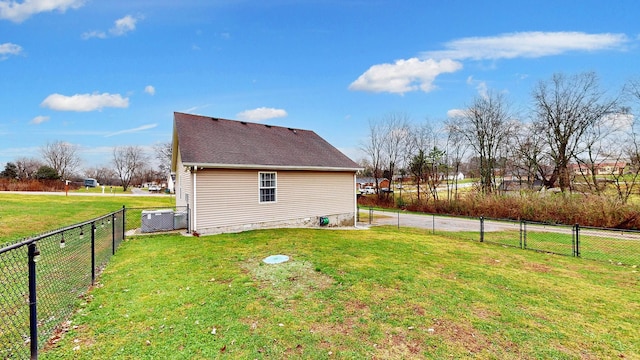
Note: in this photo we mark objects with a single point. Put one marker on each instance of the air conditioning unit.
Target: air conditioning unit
(157, 220)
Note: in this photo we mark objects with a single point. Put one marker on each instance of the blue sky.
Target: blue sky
(100, 74)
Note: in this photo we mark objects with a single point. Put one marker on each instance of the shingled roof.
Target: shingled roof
(220, 143)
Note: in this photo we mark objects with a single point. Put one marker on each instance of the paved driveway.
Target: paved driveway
(447, 223)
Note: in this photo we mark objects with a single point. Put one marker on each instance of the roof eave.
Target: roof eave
(269, 167)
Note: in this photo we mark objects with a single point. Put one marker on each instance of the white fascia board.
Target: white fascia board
(268, 167)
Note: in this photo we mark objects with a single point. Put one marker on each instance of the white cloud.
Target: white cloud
(193, 109)
(420, 73)
(527, 44)
(261, 113)
(84, 102)
(7, 49)
(621, 122)
(20, 11)
(123, 25)
(120, 27)
(150, 90)
(39, 119)
(454, 113)
(94, 34)
(481, 86)
(134, 130)
(404, 75)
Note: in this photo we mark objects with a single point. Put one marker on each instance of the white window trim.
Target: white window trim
(275, 174)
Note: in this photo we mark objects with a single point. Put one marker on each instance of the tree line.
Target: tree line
(61, 161)
(571, 130)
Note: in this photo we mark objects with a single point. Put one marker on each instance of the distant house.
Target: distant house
(171, 180)
(237, 175)
(383, 183)
(604, 168)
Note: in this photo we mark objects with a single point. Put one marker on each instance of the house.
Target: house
(171, 179)
(237, 175)
(370, 181)
(604, 168)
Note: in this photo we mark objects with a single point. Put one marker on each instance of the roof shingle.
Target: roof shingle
(213, 142)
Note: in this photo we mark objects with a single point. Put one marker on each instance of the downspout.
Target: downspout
(195, 207)
(355, 200)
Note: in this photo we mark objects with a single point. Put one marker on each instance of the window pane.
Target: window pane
(267, 187)
(267, 195)
(267, 180)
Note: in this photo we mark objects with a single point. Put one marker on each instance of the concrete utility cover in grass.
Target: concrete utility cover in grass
(275, 259)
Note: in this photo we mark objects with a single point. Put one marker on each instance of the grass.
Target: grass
(98, 190)
(379, 293)
(29, 215)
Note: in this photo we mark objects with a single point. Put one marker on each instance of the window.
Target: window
(267, 187)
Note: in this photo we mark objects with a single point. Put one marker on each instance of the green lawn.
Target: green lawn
(379, 293)
(28, 215)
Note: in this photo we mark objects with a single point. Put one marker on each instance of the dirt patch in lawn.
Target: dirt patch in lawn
(288, 279)
(462, 334)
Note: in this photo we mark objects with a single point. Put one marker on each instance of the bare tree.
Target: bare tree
(374, 149)
(528, 158)
(103, 174)
(62, 157)
(435, 165)
(456, 149)
(487, 126)
(565, 108)
(127, 161)
(420, 139)
(367, 169)
(28, 167)
(626, 182)
(163, 155)
(601, 148)
(395, 142)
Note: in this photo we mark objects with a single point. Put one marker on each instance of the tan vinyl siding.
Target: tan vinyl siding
(183, 183)
(231, 197)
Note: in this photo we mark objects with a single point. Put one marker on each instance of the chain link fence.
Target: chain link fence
(621, 247)
(44, 278)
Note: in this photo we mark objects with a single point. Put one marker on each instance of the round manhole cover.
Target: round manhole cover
(275, 259)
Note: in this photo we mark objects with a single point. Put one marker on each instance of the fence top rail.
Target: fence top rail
(635, 231)
(31, 240)
(157, 208)
(419, 213)
(540, 223)
(17, 245)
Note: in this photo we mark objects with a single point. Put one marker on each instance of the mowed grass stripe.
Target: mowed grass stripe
(30, 215)
(379, 293)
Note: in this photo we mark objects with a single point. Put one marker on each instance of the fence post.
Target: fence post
(521, 232)
(576, 248)
(524, 238)
(370, 214)
(481, 229)
(113, 233)
(398, 219)
(93, 252)
(124, 221)
(33, 253)
(188, 221)
(358, 214)
(433, 223)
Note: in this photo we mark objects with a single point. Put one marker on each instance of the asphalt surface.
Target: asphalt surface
(447, 223)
